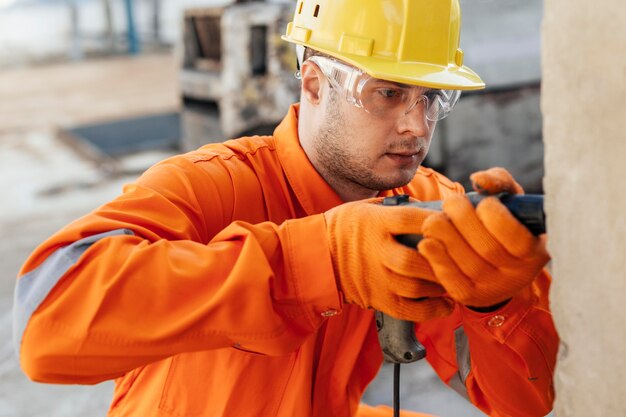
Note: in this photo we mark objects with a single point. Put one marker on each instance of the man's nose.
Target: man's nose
(415, 122)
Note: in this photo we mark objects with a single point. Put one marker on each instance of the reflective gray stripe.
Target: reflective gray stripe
(32, 288)
(463, 362)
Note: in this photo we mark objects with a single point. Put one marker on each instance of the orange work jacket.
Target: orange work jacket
(207, 289)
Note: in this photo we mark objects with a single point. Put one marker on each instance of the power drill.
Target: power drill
(397, 337)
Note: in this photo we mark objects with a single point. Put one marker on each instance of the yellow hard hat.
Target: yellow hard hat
(407, 41)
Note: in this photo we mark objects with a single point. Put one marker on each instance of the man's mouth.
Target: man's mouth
(407, 150)
(405, 154)
(403, 158)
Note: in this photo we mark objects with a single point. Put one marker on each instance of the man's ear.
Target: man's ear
(312, 78)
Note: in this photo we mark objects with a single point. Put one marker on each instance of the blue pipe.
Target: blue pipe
(133, 38)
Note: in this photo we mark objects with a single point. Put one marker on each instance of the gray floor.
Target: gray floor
(420, 390)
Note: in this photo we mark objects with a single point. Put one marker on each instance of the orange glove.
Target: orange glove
(494, 181)
(374, 270)
(482, 256)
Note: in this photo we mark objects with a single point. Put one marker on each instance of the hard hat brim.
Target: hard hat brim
(450, 77)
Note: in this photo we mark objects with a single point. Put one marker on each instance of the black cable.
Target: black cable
(396, 390)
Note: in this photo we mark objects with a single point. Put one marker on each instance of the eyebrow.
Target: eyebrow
(397, 84)
(405, 86)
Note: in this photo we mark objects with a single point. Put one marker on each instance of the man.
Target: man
(240, 279)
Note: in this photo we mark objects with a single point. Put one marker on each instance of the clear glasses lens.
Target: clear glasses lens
(384, 98)
(446, 100)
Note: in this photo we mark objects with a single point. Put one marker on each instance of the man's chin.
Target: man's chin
(395, 181)
(404, 175)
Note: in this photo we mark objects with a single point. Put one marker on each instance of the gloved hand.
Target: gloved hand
(374, 270)
(494, 181)
(482, 256)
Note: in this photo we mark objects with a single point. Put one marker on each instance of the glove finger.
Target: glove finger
(406, 261)
(421, 310)
(494, 181)
(490, 290)
(414, 288)
(466, 258)
(403, 219)
(469, 225)
(457, 284)
(512, 235)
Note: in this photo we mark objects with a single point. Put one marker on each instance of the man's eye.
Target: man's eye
(389, 92)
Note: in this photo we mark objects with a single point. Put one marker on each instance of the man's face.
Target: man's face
(359, 153)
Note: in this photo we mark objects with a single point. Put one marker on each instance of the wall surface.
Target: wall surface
(584, 81)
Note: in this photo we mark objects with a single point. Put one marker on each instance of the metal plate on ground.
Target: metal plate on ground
(126, 136)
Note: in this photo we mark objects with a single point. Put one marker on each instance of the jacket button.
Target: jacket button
(496, 321)
(329, 313)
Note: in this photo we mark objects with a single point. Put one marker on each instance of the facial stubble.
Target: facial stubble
(340, 161)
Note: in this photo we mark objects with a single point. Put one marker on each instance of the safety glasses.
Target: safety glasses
(385, 98)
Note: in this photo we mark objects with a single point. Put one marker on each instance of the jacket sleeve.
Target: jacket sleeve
(502, 361)
(513, 354)
(162, 270)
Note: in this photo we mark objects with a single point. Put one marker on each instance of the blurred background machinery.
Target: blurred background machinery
(236, 75)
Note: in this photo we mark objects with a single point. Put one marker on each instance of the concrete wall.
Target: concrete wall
(584, 81)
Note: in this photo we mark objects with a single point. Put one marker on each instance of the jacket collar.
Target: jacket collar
(312, 191)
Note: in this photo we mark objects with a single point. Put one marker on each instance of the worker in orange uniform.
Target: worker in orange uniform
(241, 279)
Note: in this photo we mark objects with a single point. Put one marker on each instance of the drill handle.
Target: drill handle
(527, 208)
